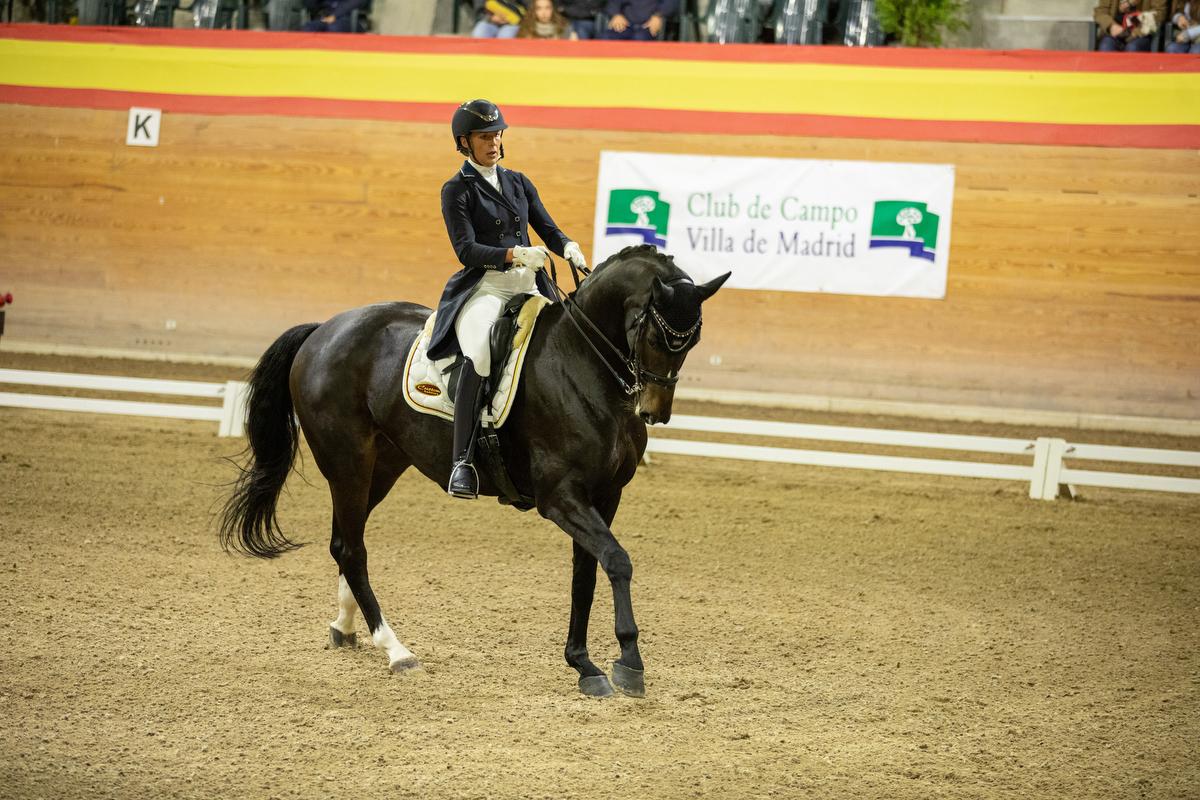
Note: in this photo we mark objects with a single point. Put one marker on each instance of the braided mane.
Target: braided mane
(685, 310)
(663, 264)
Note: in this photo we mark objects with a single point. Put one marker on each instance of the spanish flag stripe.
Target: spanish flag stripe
(648, 90)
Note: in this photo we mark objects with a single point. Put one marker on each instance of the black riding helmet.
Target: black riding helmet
(476, 116)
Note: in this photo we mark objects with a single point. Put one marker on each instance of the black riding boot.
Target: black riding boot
(464, 482)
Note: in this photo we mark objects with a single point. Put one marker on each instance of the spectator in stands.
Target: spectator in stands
(331, 16)
(498, 19)
(1129, 25)
(639, 20)
(545, 22)
(1186, 20)
(582, 15)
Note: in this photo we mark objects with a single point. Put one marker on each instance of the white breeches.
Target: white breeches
(473, 326)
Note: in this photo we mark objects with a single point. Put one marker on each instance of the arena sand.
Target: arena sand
(807, 633)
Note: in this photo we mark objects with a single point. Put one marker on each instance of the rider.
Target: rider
(486, 208)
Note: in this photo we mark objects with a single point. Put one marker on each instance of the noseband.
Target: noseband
(676, 341)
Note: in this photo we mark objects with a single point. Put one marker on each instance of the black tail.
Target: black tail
(248, 519)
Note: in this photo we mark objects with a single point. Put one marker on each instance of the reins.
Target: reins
(639, 373)
(568, 301)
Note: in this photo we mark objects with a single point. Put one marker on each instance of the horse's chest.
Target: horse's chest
(625, 454)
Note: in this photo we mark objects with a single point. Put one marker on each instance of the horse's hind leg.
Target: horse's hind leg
(341, 630)
(353, 502)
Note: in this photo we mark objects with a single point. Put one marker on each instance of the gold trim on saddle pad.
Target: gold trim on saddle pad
(425, 383)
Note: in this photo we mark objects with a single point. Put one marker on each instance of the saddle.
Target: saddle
(430, 386)
(504, 331)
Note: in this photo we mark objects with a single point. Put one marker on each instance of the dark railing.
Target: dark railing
(232, 14)
(845, 22)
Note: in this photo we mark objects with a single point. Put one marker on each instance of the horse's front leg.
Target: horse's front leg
(592, 680)
(584, 523)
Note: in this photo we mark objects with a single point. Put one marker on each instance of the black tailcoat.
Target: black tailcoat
(483, 224)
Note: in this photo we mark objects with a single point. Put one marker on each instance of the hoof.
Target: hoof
(339, 639)
(405, 665)
(630, 681)
(596, 686)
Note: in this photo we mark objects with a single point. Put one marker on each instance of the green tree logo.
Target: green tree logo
(640, 212)
(906, 224)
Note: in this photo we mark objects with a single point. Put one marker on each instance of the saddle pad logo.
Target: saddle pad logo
(640, 212)
(906, 224)
(428, 389)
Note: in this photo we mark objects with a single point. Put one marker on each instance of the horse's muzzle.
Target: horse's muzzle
(655, 408)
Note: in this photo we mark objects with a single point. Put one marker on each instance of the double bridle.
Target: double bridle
(675, 341)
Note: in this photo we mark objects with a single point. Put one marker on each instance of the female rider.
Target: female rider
(486, 208)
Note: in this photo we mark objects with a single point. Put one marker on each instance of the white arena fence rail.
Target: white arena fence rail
(231, 414)
(1046, 475)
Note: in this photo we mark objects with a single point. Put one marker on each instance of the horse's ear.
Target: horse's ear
(660, 293)
(707, 290)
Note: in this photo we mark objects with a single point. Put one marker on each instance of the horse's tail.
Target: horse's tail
(248, 522)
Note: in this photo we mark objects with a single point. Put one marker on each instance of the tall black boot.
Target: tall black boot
(464, 482)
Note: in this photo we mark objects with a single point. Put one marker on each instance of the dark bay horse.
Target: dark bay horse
(600, 366)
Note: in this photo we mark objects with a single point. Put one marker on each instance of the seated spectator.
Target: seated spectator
(545, 22)
(1129, 25)
(1187, 23)
(582, 16)
(498, 19)
(639, 20)
(331, 16)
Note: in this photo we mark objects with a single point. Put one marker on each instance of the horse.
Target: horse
(601, 365)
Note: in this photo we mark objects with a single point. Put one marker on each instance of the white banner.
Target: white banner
(847, 227)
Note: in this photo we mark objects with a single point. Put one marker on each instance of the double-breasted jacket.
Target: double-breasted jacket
(483, 225)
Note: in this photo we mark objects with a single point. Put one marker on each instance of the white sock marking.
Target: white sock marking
(385, 639)
(346, 607)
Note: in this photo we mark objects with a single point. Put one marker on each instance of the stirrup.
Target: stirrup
(463, 487)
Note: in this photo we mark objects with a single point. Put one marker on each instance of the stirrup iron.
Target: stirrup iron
(461, 486)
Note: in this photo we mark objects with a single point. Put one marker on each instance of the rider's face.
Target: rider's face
(485, 147)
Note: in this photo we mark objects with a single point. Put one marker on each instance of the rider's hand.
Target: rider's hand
(535, 257)
(573, 254)
(618, 23)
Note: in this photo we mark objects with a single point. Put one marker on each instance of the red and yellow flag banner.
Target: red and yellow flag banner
(1035, 97)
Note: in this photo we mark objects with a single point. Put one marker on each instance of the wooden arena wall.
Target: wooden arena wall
(1074, 280)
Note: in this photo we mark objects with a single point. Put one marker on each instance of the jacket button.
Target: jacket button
(518, 220)
(497, 222)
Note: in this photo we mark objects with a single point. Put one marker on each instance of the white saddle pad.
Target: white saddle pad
(425, 382)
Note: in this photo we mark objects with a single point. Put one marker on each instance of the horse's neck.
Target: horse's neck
(604, 304)
(563, 338)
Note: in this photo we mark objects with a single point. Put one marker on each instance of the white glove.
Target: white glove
(534, 257)
(573, 254)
